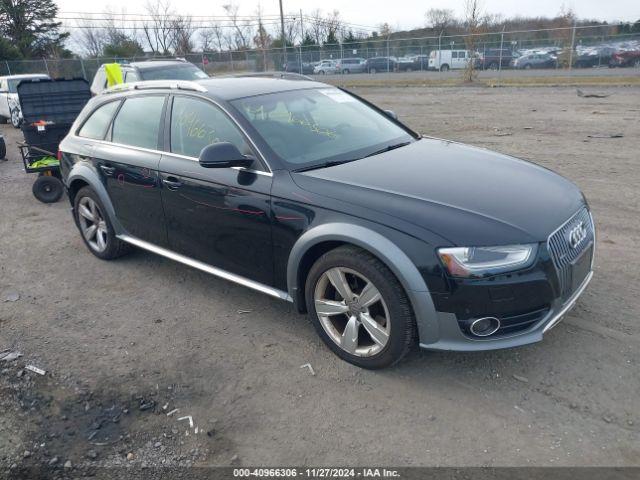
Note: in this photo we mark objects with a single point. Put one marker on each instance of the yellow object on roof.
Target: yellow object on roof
(114, 74)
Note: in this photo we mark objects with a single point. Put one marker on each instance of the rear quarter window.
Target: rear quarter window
(96, 125)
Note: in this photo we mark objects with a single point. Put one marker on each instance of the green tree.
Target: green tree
(31, 27)
(8, 51)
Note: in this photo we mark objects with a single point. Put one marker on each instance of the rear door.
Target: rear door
(128, 163)
(219, 216)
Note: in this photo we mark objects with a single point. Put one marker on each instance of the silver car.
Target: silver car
(352, 65)
(326, 67)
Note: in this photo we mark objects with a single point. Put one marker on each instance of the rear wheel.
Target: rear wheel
(359, 308)
(46, 188)
(15, 118)
(95, 226)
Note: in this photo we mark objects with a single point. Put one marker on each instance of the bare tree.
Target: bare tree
(183, 32)
(317, 27)
(158, 30)
(241, 32)
(262, 39)
(90, 38)
(473, 21)
(440, 18)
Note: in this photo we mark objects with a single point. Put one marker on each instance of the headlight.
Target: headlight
(480, 261)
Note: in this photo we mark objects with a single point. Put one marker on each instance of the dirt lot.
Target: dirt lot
(126, 342)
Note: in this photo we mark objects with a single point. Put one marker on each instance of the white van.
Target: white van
(9, 103)
(444, 60)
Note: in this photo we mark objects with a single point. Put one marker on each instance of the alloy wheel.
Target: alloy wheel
(92, 223)
(352, 311)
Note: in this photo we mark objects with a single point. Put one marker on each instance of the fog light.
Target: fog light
(483, 327)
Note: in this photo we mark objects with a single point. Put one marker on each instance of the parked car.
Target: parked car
(593, 57)
(420, 62)
(535, 60)
(494, 58)
(625, 58)
(295, 66)
(381, 64)
(352, 65)
(150, 70)
(445, 60)
(307, 193)
(9, 101)
(326, 67)
(406, 64)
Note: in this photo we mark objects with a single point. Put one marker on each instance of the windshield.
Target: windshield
(13, 82)
(315, 126)
(173, 72)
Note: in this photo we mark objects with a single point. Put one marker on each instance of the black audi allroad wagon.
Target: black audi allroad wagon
(308, 193)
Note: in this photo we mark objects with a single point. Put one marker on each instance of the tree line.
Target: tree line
(35, 29)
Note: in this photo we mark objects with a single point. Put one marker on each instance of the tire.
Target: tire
(103, 243)
(444, 68)
(493, 66)
(321, 72)
(527, 66)
(15, 118)
(372, 70)
(636, 64)
(47, 189)
(3, 148)
(346, 71)
(389, 315)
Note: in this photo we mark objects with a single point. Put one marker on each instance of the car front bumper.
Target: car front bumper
(451, 336)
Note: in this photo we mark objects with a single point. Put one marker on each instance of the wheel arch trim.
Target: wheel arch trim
(83, 172)
(383, 249)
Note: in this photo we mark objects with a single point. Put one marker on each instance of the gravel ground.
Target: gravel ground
(125, 343)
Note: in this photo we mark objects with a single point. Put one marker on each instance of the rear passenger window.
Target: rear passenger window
(138, 122)
(96, 126)
(454, 54)
(196, 124)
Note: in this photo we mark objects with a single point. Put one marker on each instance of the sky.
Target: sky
(400, 14)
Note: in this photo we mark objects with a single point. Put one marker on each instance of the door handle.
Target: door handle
(172, 183)
(108, 171)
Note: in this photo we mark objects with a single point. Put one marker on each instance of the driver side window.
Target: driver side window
(196, 124)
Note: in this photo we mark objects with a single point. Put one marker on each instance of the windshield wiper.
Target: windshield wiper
(388, 148)
(332, 163)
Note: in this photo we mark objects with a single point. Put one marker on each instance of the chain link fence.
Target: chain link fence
(571, 47)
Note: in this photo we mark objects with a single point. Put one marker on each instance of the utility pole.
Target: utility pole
(301, 39)
(284, 40)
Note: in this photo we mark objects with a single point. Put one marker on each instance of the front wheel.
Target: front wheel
(96, 229)
(444, 68)
(359, 308)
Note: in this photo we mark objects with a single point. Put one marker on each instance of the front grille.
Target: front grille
(563, 253)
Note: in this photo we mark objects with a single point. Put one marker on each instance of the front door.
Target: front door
(128, 163)
(219, 216)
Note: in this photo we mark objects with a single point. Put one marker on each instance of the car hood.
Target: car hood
(467, 195)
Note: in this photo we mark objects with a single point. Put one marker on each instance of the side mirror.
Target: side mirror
(392, 114)
(223, 155)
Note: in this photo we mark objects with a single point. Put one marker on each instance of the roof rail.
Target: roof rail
(157, 84)
(284, 75)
